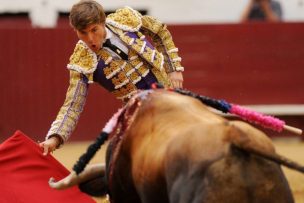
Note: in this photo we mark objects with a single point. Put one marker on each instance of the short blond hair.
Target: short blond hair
(86, 12)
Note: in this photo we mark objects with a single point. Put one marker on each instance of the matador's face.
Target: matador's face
(93, 35)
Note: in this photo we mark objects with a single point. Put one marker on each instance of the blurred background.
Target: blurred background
(227, 54)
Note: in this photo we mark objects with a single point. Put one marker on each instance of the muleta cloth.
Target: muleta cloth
(25, 173)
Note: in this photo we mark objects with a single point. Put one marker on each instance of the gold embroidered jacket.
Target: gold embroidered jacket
(121, 77)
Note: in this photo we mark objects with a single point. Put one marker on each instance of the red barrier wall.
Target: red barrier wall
(244, 63)
(241, 63)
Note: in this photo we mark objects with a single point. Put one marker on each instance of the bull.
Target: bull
(170, 148)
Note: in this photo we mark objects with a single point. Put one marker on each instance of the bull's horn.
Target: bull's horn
(69, 181)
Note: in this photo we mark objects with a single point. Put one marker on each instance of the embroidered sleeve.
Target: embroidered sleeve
(163, 41)
(69, 113)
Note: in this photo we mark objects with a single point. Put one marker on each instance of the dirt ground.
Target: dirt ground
(289, 147)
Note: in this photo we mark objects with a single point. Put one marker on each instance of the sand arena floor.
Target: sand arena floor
(289, 147)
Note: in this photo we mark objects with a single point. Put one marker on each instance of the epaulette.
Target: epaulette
(83, 60)
(126, 19)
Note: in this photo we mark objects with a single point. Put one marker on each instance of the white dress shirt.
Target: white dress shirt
(114, 39)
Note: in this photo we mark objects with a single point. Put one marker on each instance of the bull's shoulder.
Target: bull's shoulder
(182, 106)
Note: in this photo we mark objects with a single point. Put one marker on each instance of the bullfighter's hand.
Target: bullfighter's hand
(176, 79)
(50, 144)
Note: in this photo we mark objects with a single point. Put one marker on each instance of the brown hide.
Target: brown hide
(177, 150)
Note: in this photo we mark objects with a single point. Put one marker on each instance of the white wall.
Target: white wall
(44, 12)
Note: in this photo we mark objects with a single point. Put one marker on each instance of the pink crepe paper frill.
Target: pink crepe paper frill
(110, 125)
(258, 118)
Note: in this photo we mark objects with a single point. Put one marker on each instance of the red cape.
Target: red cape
(25, 172)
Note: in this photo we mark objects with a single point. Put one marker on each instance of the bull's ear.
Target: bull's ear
(96, 187)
